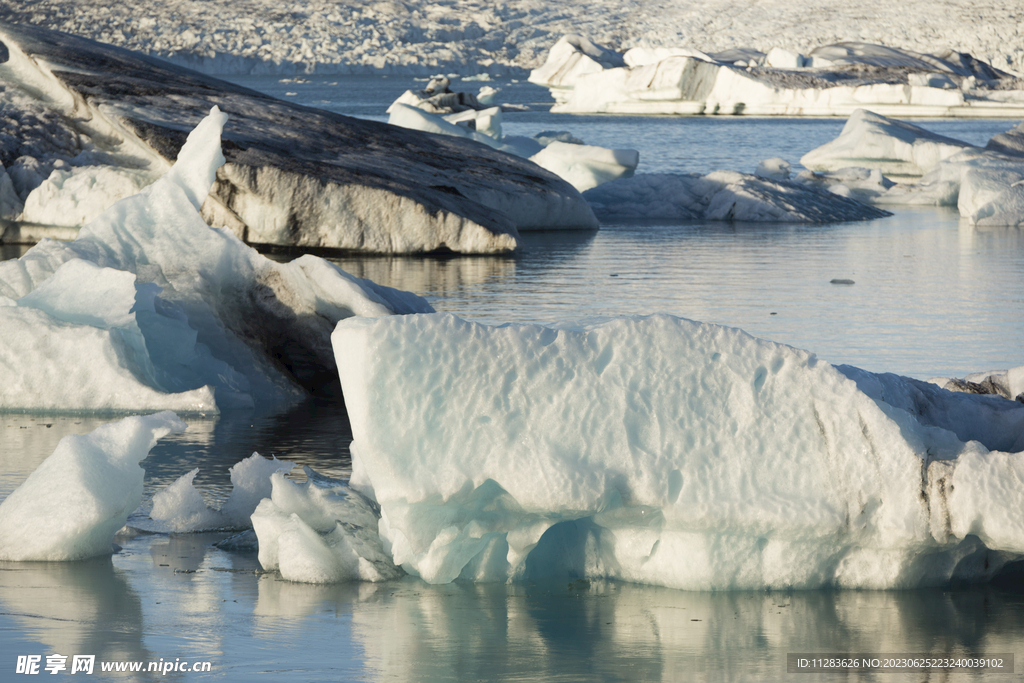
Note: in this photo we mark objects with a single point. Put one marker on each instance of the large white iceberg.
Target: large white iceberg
(897, 148)
(665, 451)
(845, 77)
(71, 506)
(150, 308)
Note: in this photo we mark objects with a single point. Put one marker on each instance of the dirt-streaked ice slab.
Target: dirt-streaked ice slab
(665, 451)
(294, 176)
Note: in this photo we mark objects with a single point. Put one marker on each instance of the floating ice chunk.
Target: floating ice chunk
(73, 504)
(320, 532)
(723, 195)
(895, 147)
(181, 507)
(583, 166)
(773, 169)
(986, 186)
(251, 483)
(665, 451)
(781, 58)
(683, 81)
(486, 121)
(587, 166)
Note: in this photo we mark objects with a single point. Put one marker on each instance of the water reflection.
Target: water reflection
(179, 596)
(410, 631)
(932, 296)
(85, 608)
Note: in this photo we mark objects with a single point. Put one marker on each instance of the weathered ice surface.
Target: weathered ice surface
(670, 452)
(151, 308)
(724, 196)
(294, 176)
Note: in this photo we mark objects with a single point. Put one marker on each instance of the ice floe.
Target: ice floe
(83, 126)
(583, 166)
(180, 507)
(985, 184)
(150, 308)
(664, 451)
(834, 80)
(725, 196)
(71, 506)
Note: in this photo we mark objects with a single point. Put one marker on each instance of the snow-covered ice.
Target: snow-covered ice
(150, 308)
(71, 506)
(83, 126)
(467, 36)
(664, 451)
(839, 79)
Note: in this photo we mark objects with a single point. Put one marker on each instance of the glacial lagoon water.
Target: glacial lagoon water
(931, 296)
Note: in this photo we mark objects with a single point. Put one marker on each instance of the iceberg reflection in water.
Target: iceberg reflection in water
(178, 597)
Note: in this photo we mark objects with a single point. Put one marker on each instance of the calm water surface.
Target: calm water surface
(932, 296)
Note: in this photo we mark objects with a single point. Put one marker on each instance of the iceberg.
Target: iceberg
(294, 176)
(583, 166)
(985, 184)
(724, 196)
(150, 308)
(897, 148)
(833, 80)
(72, 505)
(664, 451)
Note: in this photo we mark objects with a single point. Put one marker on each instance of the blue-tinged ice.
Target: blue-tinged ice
(664, 451)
